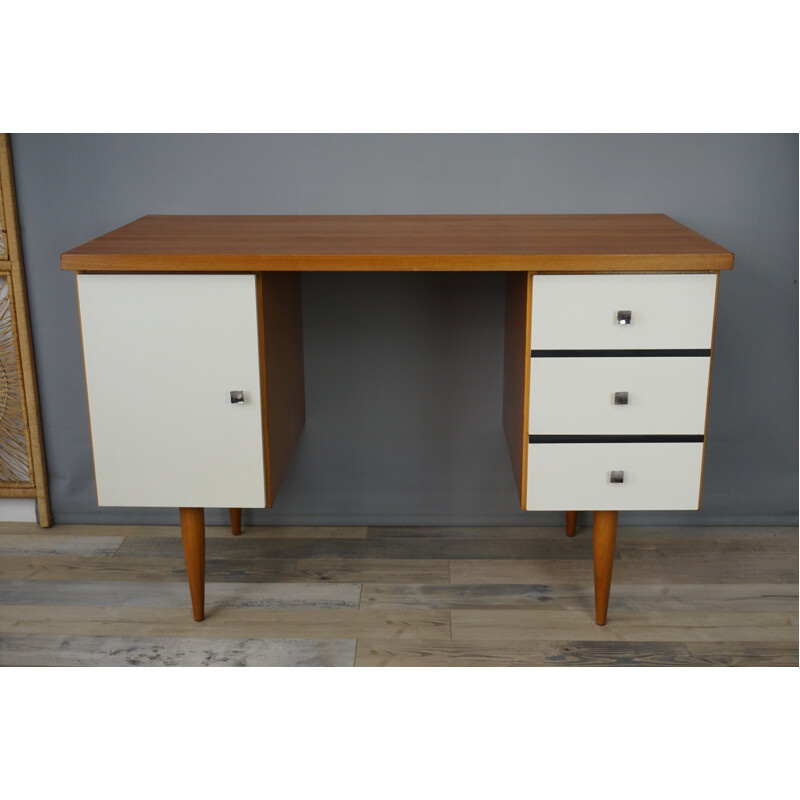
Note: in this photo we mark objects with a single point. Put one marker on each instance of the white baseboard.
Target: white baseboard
(17, 509)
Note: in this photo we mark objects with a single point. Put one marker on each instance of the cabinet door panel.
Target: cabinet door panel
(162, 355)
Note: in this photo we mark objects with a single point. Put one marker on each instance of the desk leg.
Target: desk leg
(193, 531)
(572, 522)
(236, 521)
(604, 540)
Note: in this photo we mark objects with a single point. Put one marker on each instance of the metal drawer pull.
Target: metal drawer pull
(620, 398)
(237, 397)
(618, 476)
(623, 317)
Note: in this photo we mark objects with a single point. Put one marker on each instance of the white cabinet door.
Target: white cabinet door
(163, 354)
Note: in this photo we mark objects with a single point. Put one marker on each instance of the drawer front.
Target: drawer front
(660, 476)
(163, 354)
(575, 396)
(580, 312)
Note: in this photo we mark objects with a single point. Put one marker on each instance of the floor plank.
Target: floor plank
(703, 546)
(375, 570)
(225, 622)
(59, 545)
(487, 532)
(642, 597)
(176, 594)
(641, 626)
(300, 532)
(724, 568)
(375, 653)
(241, 570)
(711, 532)
(137, 569)
(31, 529)
(386, 548)
(744, 654)
(140, 651)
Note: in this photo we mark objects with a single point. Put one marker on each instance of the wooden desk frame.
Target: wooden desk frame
(277, 249)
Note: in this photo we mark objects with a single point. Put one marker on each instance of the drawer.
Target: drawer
(665, 395)
(579, 312)
(577, 476)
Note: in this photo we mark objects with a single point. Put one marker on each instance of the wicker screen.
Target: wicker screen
(3, 251)
(14, 466)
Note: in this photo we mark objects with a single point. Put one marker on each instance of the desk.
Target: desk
(192, 340)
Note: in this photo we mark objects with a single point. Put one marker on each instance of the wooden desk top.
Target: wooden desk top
(493, 242)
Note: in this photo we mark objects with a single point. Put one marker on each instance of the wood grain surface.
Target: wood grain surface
(516, 376)
(491, 242)
(117, 596)
(140, 651)
(370, 653)
(384, 549)
(280, 347)
(176, 595)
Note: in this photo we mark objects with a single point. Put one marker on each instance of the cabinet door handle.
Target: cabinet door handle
(617, 476)
(620, 398)
(623, 317)
(237, 397)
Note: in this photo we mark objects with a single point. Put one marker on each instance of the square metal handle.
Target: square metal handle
(617, 476)
(620, 398)
(237, 397)
(623, 317)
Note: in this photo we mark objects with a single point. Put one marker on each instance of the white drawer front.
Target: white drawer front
(576, 395)
(579, 312)
(162, 354)
(577, 476)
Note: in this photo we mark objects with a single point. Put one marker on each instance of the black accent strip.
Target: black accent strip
(616, 353)
(609, 439)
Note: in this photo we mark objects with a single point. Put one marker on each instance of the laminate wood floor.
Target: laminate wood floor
(76, 595)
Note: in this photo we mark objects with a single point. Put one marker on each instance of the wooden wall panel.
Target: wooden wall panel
(282, 374)
(516, 371)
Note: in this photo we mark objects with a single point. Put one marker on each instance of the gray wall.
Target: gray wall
(404, 371)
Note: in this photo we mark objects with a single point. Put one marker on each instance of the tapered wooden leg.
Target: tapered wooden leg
(236, 521)
(604, 541)
(572, 522)
(193, 531)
